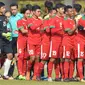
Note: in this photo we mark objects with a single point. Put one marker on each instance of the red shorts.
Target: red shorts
(45, 48)
(55, 49)
(22, 48)
(34, 50)
(80, 47)
(68, 47)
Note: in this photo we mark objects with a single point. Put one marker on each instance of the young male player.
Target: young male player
(22, 43)
(34, 40)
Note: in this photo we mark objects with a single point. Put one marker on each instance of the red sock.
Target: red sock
(57, 70)
(62, 69)
(41, 67)
(66, 69)
(24, 67)
(71, 69)
(29, 65)
(36, 68)
(80, 69)
(20, 66)
(50, 68)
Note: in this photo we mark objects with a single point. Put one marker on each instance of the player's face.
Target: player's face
(2, 9)
(54, 12)
(14, 10)
(70, 12)
(61, 10)
(8, 14)
(37, 12)
(74, 11)
(27, 13)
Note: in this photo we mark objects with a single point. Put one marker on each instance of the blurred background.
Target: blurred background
(21, 3)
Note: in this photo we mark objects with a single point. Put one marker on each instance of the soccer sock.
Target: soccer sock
(36, 68)
(29, 65)
(24, 69)
(7, 67)
(50, 68)
(66, 69)
(57, 70)
(62, 69)
(41, 67)
(80, 69)
(71, 69)
(20, 66)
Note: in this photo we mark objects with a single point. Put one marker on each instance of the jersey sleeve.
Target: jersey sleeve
(19, 24)
(35, 26)
(56, 29)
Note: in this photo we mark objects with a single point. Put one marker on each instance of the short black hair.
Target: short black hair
(7, 11)
(29, 6)
(49, 5)
(14, 4)
(35, 7)
(23, 10)
(1, 4)
(68, 7)
(77, 7)
(59, 5)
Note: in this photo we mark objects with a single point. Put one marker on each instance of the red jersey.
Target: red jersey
(68, 23)
(46, 33)
(22, 23)
(34, 35)
(57, 21)
(57, 32)
(82, 23)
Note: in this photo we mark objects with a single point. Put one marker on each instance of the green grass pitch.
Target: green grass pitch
(25, 82)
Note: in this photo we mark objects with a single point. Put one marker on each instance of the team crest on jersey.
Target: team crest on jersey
(61, 25)
(4, 23)
(20, 51)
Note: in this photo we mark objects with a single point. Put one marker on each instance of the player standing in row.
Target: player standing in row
(56, 40)
(34, 40)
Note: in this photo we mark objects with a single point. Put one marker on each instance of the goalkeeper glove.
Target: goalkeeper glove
(7, 35)
(4, 34)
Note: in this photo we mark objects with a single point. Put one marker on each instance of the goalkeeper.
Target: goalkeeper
(5, 44)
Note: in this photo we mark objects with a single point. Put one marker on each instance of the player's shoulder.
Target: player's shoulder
(83, 17)
(19, 21)
(78, 16)
(46, 17)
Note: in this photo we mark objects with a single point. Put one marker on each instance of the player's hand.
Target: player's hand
(29, 25)
(70, 32)
(8, 38)
(7, 35)
(44, 29)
